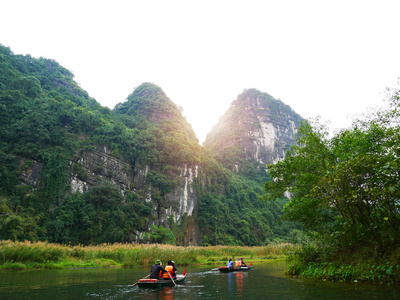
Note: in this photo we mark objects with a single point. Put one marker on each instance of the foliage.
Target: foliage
(237, 217)
(97, 216)
(48, 123)
(160, 235)
(308, 262)
(345, 189)
(175, 142)
(17, 225)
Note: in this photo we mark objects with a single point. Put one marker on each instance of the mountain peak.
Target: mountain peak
(148, 100)
(257, 127)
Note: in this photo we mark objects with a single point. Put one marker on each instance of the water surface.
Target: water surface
(265, 281)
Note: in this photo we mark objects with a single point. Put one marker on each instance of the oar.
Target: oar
(138, 281)
(171, 278)
(215, 269)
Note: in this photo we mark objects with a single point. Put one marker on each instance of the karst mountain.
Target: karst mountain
(72, 171)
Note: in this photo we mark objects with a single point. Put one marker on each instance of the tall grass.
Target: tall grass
(353, 265)
(47, 255)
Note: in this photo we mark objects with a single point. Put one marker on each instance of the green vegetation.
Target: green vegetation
(41, 255)
(48, 124)
(231, 141)
(345, 194)
(238, 217)
(307, 263)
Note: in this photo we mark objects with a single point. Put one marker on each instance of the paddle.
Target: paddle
(171, 278)
(138, 280)
(215, 269)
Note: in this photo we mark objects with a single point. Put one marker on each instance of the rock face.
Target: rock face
(87, 169)
(183, 200)
(257, 127)
(30, 172)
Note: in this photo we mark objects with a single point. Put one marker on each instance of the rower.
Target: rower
(156, 269)
(174, 269)
(242, 262)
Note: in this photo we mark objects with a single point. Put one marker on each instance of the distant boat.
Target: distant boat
(235, 269)
(226, 269)
(242, 268)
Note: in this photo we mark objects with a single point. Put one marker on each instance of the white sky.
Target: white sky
(323, 58)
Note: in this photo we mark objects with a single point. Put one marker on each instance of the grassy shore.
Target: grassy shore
(385, 272)
(43, 255)
(355, 266)
(360, 272)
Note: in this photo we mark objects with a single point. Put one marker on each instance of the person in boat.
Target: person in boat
(238, 263)
(156, 270)
(171, 270)
(243, 264)
(230, 263)
(174, 269)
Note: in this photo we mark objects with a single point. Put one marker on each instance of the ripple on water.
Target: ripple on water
(266, 281)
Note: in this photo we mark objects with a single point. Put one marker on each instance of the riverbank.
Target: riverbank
(361, 272)
(354, 267)
(41, 255)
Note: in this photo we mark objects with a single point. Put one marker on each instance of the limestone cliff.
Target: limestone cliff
(256, 127)
(89, 168)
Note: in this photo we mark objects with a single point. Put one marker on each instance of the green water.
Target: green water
(265, 281)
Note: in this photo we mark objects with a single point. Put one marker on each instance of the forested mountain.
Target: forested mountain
(72, 171)
(256, 130)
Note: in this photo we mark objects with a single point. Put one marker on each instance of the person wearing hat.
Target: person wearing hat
(156, 269)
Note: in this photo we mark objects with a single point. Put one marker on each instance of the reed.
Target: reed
(20, 255)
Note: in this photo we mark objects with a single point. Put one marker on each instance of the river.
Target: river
(265, 281)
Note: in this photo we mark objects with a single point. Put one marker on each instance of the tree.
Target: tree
(305, 164)
(347, 188)
(161, 235)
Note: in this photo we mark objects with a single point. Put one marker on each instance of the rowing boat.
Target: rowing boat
(226, 269)
(243, 268)
(147, 282)
(234, 269)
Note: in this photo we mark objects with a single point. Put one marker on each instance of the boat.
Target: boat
(152, 283)
(243, 268)
(225, 269)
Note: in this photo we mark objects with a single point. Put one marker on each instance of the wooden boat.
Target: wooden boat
(235, 269)
(246, 268)
(226, 269)
(152, 283)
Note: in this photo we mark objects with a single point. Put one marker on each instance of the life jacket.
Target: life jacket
(169, 270)
(238, 263)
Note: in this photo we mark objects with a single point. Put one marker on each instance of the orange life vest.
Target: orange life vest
(238, 263)
(169, 270)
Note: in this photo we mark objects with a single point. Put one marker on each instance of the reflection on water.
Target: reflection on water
(265, 281)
